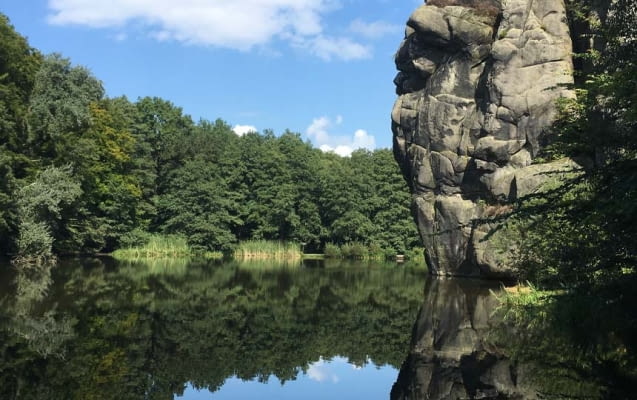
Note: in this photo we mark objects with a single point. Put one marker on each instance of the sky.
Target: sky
(322, 68)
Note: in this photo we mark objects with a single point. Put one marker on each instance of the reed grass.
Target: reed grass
(266, 249)
(162, 247)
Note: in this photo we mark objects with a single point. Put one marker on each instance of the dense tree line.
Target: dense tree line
(81, 172)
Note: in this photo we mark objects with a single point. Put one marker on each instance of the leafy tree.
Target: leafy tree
(59, 109)
(202, 198)
(41, 205)
(18, 66)
(160, 129)
(111, 193)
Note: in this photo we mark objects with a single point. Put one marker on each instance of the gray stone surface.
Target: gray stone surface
(477, 85)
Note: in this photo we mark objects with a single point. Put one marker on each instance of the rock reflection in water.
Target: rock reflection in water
(451, 355)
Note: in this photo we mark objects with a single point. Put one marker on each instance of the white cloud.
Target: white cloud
(343, 145)
(328, 48)
(364, 140)
(374, 29)
(342, 150)
(243, 129)
(319, 371)
(240, 25)
(318, 129)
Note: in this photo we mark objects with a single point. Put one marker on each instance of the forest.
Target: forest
(82, 173)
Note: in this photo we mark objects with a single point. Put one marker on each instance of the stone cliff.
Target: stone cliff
(478, 85)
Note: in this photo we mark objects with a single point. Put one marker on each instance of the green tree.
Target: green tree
(18, 66)
(202, 198)
(59, 109)
(41, 205)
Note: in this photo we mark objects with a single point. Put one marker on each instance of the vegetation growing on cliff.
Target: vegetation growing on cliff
(581, 237)
(586, 233)
(81, 173)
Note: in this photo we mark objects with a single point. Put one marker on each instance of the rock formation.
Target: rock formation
(478, 85)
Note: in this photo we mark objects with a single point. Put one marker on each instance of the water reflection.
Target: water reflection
(462, 348)
(452, 356)
(93, 329)
(336, 378)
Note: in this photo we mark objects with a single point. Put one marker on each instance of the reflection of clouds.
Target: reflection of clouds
(320, 371)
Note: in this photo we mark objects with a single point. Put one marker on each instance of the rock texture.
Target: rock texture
(452, 356)
(477, 87)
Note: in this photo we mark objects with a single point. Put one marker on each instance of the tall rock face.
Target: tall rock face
(478, 85)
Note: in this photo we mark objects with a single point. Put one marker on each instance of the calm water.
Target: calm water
(95, 329)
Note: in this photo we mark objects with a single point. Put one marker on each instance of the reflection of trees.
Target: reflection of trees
(146, 334)
(41, 327)
(578, 345)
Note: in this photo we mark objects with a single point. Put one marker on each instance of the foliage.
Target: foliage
(35, 243)
(40, 208)
(332, 250)
(18, 66)
(59, 107)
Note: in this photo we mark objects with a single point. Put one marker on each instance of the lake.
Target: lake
(94, 328)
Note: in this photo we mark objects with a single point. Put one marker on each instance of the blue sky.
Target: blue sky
(323, 68)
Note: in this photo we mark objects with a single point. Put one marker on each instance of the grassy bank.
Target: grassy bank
(268, 250)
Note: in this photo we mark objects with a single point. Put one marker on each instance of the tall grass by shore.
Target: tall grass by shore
(265, 249)
(161, 246)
